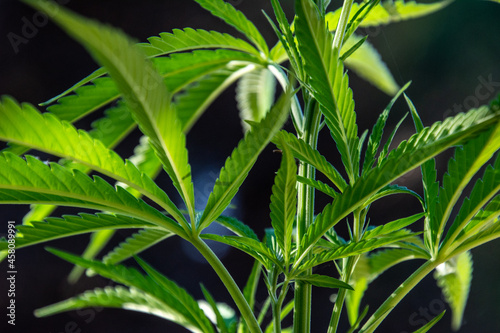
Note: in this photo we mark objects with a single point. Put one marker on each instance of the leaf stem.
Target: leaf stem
(229, 283)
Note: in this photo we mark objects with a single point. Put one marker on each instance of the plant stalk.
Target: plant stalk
(305, 216)
(229, 283)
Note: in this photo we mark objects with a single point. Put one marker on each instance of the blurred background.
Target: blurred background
(448, 56)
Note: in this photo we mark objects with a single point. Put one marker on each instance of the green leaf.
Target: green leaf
(381, 261)
(181, 297)
(350, 249)
(237, 19)
(177, 300)
(255, 95)
(391, 190)
(323, 281)
(181, 40)
(287, 41)
(98, 240)
(466, 163)
(85, 100)
(305, 153)
(250, 246)
(430, 324)
(359, 281)
(454, 277)
(284, 203)
(375, 138)
(135, 244)
(69, 225)
(367, 63)
(122, 298)
(409, 155)
(318, 185)
(388, 12)
(385, 149)
(242, 159)
(89, 78)
(387, 228)
(221, 323)
(195, 99)
(143, 89)
(46, 133)
(236, 226)
(31, 181)
(327, 82)
(181, 69)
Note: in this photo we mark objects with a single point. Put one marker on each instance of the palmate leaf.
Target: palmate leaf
(178, 41)
(191, 39)
(284, 203)
(85, 100)
(327, 82)
(318, 185)
(196, 98)
(242, 159)
(157, 287)
(46, 133)
(323, 281)
(490, 217)
(375, 139)
(350, 249)
(367, 63)
(430, 324)
(232, 16)
(122, 298)
(465, 164)
(178, 71)
(409, 155)
(470, 218)
(454, 277)
(255, 95)
(250, 246)
(219, 319)
(287, 45)
(68, 225)
(305, 153)
(181, 69)
(135, 244)
(388, 12)
(31, 181)
(387, 228)
(142, 88)
(236, 226)
(116, 124)
(147, 162)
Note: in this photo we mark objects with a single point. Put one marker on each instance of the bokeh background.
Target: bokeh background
(447, 56)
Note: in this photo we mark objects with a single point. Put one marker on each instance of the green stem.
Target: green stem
(344, 19)
(227, 280)
(398, 295)
(305, 215)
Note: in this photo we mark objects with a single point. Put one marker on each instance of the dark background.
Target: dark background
(445, 55)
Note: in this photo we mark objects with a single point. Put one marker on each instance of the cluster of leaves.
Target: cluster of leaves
(163, 87)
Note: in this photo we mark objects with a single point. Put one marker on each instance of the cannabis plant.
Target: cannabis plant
(164, 86)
